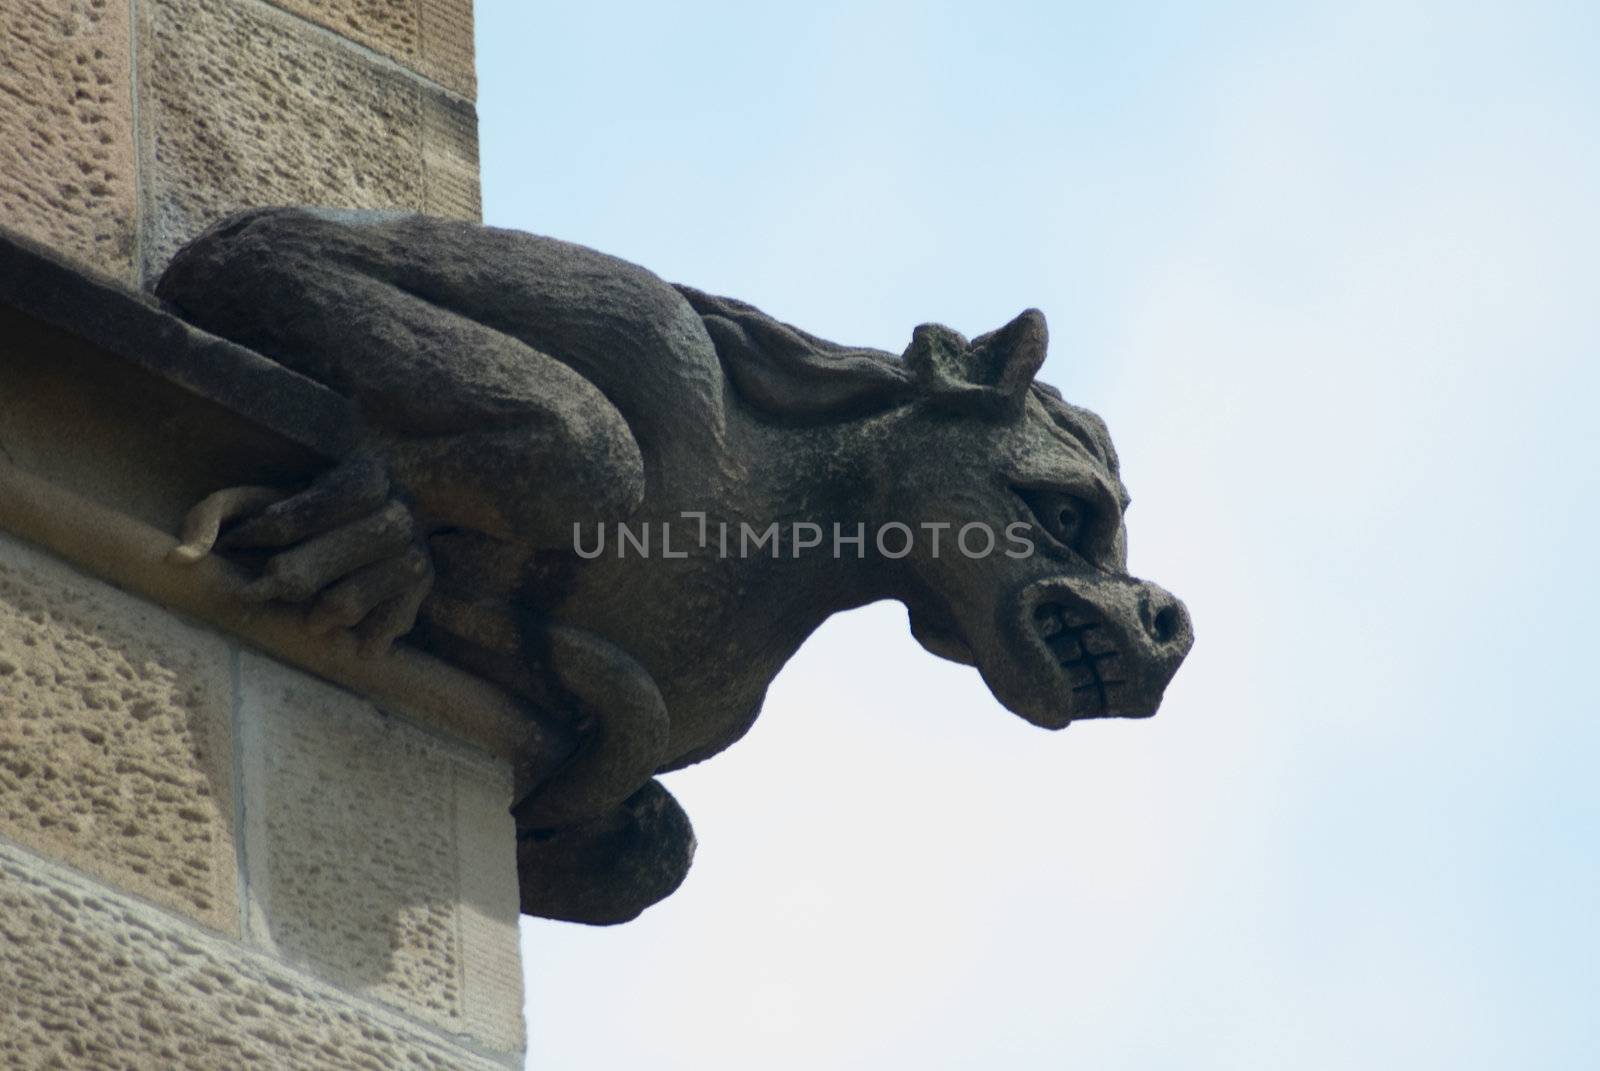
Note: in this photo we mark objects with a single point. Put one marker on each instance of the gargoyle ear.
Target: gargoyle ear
(1013, 354)
(993, 370)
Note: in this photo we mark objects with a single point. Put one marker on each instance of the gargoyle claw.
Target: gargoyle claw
(342, 542)
(302, 571)
(390, 620)
(354, 488)
(376, 596)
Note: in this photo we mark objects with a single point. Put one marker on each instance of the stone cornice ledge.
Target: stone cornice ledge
(63, 328)
(131, 326)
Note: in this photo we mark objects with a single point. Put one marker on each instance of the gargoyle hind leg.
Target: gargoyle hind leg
(481, 430)
(598, 840)
(476, 429)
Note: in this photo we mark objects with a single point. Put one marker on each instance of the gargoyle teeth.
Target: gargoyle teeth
(1084, 650)
(1081, 675)
(1096, 642)
(1064, 646)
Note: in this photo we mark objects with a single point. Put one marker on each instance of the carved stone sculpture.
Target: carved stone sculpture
(522, 397)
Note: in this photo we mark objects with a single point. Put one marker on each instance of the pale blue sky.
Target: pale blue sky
(1329, 272)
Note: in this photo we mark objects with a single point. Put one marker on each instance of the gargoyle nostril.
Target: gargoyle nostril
(1166, 623)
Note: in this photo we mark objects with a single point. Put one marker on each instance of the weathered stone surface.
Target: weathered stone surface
(66, 121)
(93, 982)
(449, 158)
(115, 745)
(520, 389)
(242, 105)
(486, 839)
(126, 325)
(379, 858)
(432, 37)
(447, 45)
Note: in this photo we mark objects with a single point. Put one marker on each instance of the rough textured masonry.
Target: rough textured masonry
(98, 982)
(116, 750)
(242, 104)
(66, 122)
(422, 913)
(370, 855)
(208, 858)
(129, 127)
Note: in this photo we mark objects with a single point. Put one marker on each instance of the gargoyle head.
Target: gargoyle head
(1050, 617)
(1017, 557)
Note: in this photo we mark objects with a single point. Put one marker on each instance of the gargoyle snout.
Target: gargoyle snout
(1166, 622)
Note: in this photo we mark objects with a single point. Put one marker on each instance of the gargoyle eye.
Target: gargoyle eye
(1069, 521)
(1064, 516)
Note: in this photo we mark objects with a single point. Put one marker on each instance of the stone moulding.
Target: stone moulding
(128, 328)
(133, 555)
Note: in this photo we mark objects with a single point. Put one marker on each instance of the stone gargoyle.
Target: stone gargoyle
(521, 396)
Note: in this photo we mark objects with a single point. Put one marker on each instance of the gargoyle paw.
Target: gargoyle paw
(343, 546)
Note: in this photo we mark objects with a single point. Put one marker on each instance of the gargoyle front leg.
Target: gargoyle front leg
(598, 840)
(344, 547)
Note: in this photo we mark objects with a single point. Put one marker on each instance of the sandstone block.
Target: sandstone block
(66, 121)
(94, 982)
(450, 158)
(380, 858)
(244, 105)
(432, 37)
(447, 45)
(486, 847)
(115, 738)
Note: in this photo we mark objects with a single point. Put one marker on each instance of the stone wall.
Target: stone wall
(209, 859)
(210, 855)
(130, 125)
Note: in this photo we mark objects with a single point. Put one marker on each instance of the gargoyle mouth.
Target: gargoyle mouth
(1083, 650)
(1096, 647)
